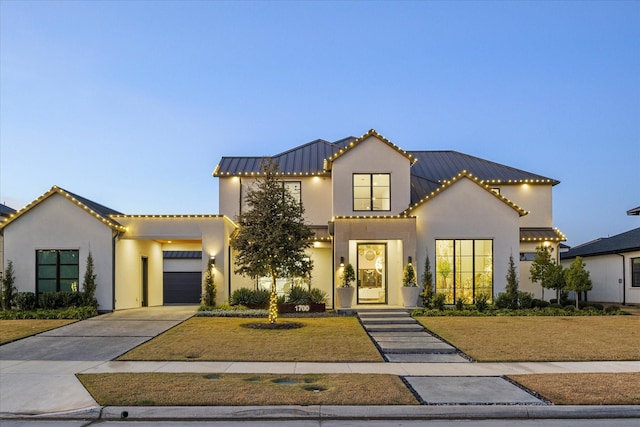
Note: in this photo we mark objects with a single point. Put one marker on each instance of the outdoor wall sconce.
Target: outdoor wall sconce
(213, 260)
(410, 260)
(341, 261)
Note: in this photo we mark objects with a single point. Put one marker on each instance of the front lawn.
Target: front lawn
(11, 330)
(322, 339)
(539, 339)
(585, 389)
(163, 389)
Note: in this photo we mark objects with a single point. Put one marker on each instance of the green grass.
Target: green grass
(11, 330)
(323, 339)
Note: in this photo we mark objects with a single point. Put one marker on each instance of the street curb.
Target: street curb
(318, 412)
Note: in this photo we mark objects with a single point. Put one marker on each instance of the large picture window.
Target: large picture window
(635, 272)
(371, 192)
(56, 270)
(464, 269)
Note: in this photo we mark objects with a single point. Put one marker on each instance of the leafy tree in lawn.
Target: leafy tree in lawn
(89, 284)
(8, 290)
(426, 280)
(577, 278)
(272, 236)
(539, 270)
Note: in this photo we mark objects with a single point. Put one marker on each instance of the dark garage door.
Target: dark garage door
(182, 288)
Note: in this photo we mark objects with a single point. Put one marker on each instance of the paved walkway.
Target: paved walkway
(38, 375)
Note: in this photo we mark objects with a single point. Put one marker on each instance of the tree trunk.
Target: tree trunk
(273, 301)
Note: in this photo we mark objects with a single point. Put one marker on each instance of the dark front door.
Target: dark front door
(145, 281)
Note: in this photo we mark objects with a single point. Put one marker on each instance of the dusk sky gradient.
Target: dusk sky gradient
(132, 104)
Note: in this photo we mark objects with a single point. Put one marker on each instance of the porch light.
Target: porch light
(341, 261)
(410, 259)
(213, 260)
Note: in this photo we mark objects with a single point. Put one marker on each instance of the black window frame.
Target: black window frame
(58, 269)
(635, 272)
(284, 186)
(371, 186)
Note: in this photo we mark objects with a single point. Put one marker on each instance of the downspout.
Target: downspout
(624, 280)
(113, 270)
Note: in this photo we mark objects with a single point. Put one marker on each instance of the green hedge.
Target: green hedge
(65, 313)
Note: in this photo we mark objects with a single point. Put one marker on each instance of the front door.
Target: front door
(372, 273)
(145, 281)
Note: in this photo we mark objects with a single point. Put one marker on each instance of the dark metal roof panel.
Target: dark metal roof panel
(443, 165)
(538, 234)
(97, 207)
(6, 210)
(634, 211)
(182, 254)
(624, 242)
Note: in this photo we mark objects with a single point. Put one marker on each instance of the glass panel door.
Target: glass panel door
(372, 273)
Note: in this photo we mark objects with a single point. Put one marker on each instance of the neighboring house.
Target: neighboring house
(5, 211)
(613, 264)
(370, 203)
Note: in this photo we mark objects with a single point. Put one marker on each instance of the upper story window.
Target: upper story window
(294, 188)
(371, 192)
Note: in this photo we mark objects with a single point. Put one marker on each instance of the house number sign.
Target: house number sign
(302, 307)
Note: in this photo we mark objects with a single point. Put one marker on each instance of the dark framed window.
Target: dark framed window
(464, 269)
(371, 192)
(635, 272)
(56, 270)
(294, 188)
(527, 256)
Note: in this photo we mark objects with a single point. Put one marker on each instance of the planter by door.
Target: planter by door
(410, 296)
(345, 296)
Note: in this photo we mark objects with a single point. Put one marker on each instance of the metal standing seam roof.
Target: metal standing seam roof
(624, 242)
(6, 210)
(431, 169)
(634, 211)
(541, 234)
(182, 254)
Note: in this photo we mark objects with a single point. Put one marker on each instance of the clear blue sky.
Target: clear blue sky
(132, 104)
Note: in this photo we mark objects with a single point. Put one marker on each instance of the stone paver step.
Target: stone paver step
(395, 328)
(425, 358)
(415, 348)
(387, 320)
(398, 313)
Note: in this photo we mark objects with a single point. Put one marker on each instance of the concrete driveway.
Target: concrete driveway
(37, 374)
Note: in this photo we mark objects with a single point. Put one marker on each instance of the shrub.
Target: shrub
(460, 303)
(612, 309)
(482, 302)
(570, 308)
(502, 301)
(209, 296)
(555, 305)
(25, 301)
(8, 289)
(438, 302)
(241, 296)
(596, 306)
(298, 295)
(525, 300)
(89, 284)
(317, 296)
(260, 298)
(539, 303)
(48, 300)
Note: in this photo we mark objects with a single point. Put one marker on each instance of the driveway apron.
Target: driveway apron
(28, 386)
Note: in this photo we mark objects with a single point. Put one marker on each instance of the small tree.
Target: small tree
(577, 278)
(209, 295)
(8, 288)
(426, 280)
(541, 262)
(272, 236)
(89, 284)
(554, 279)
(409, 276)
(511, 290)
(348, 275)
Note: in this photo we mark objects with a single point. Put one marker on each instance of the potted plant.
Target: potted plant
(346, 291)
(410, 289)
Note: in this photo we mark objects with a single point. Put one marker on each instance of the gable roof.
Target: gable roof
(354, 143)
(475, 180)
(6, 210)
(634, 211)
(623, 242)
(430, 169)
(99, 211)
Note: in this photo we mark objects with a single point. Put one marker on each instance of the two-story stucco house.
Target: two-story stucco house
(371, 204)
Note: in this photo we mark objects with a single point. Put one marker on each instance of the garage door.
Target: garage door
(182, 288)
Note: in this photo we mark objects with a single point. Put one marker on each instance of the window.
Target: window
(527, 256)
(293, 188)
(464, 269)
(371, 192)
(56, 270)
(635, 272)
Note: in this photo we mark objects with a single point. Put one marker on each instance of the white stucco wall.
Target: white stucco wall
(129, 254)
(534, 198)
(57, 223)
(610, 283)
(371, 156)
(467, 211)
(315, 192)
